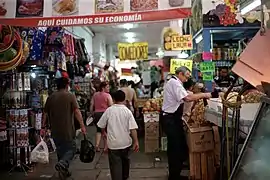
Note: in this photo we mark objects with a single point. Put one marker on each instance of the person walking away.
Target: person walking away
(100, 102)
(60, 109)
(171, 119)
(130, 94)
(121, 129)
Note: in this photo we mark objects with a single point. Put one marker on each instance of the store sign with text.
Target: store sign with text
(89, 12)
(176, 63)
(173, 41)
(133, 51)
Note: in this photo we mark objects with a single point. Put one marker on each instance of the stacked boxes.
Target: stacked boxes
(151, 126)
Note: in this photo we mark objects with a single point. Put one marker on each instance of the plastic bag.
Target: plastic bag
(87, 153)
(89, 120)
(40, 153)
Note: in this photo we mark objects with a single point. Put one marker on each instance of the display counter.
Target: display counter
(213, 114)
(254, 160)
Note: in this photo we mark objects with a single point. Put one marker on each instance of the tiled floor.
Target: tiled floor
(143, 167)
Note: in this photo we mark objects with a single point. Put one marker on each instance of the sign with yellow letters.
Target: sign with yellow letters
(176, 63)
(133, 51)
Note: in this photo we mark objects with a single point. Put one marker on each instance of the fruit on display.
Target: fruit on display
(253, 97)
(152, 105)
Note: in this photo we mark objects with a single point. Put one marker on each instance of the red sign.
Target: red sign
(115, 18)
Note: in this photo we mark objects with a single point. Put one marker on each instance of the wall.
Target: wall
(83, 32)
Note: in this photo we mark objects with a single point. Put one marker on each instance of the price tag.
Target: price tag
(208, 76)
(176, 63)
(133, 51)
(207, 67)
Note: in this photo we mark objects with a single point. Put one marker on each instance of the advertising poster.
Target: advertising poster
(44, 13)
(65, 7)
(109, 6)
(29, 8)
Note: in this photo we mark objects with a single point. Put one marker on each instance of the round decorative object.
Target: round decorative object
(7, 36)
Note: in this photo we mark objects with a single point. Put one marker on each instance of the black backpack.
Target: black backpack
(87, 153)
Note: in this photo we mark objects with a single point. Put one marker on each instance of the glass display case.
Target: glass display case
(254, 160)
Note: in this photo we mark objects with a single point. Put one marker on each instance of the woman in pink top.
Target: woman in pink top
(100, 102)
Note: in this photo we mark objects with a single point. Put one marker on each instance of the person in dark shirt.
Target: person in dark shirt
(224, 79)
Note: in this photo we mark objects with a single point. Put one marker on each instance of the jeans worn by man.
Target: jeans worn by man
(60, 109)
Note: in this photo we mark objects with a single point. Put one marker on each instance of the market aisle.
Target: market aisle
(143, 166)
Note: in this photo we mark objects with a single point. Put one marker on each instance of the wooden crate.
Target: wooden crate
(201, 153)
(202, 166)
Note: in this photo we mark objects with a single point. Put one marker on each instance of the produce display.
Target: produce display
(253, 97)
(197, 117)
(152, 105)
(250, 97)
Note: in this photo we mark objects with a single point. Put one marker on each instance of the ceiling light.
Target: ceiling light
(130, 34)
(250, 7)
(128, 26)
(130, 40)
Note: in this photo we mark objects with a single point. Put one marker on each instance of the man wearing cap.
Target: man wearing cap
(60, 109)
(171, 119)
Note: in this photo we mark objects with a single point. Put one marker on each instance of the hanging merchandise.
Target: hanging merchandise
(55, 36)
(35, 39)
(11, 50)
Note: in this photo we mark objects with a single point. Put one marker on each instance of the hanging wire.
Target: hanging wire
(262, 30)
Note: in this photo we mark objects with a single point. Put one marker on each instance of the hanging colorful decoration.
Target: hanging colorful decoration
(230, 13)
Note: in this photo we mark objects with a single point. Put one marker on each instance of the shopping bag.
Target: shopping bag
(89, 120)
(40, 153)
(87, 153)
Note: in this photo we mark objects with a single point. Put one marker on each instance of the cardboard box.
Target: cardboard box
(151, 117)
(151, 145)
(151, 130)
(200, 139)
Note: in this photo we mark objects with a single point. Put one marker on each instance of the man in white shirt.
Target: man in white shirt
(171, 119)
(121, 126)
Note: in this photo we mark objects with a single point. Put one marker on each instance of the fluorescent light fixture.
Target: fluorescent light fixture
(128, 26)
(130, 34)
(183, 55)
(198, 39)
(250, 6)
(130, 40)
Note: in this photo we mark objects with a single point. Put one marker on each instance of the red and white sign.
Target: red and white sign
(42, 13)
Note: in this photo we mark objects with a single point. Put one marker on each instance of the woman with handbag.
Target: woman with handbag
(101, 100)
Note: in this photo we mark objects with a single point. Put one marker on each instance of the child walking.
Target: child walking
(121, 130)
